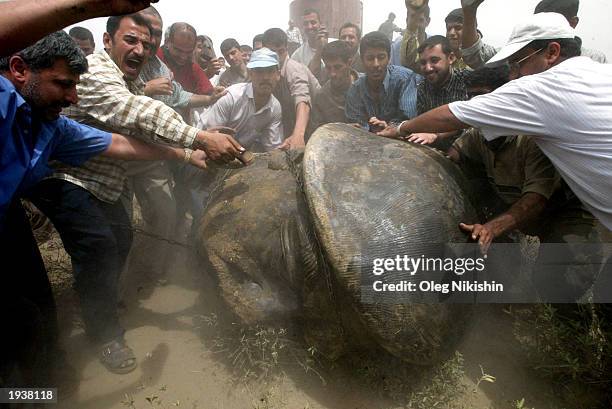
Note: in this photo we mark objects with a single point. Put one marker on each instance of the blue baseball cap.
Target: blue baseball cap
(263, 58)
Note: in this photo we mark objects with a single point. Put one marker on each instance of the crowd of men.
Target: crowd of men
(82, 135)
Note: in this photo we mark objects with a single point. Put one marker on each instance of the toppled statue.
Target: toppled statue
(289, 237)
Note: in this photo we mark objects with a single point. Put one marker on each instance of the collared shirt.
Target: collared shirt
(517, 167)
(297, 84)
(430, 97)
(258, 130)
(155, 68)
(108, 102)
(568, 109)
(233, 76)
(329, 105)
(294, 35)
(27, 144)
(191, 76)
(397, 99)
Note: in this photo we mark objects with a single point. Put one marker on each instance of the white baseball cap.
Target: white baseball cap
(541, 26)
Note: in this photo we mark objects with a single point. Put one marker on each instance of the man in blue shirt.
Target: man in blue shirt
(387, 93)
(35, 85)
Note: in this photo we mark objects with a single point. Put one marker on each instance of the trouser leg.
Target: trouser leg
(152, 187)
(570, 256)
(27, 307)
(97, 236)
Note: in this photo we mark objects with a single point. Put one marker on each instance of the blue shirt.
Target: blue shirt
(397, 100)
(28, 143)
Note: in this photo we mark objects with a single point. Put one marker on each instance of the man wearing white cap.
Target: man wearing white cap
(250, 108)
(561, 99)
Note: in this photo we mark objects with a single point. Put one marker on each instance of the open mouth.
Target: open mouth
(134, 63)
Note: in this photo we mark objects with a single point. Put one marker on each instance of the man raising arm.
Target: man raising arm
(25, 21)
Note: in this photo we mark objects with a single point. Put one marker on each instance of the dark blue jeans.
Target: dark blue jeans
(97, 236)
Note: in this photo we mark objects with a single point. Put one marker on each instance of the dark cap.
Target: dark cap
(568, 8)
(455, 16)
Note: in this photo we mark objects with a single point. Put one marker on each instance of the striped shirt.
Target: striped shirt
(430, 97)
(396, 102)
(107, 101)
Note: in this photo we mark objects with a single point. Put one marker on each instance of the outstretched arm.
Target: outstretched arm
(437, 120)
(126, 148)
(526, 209)
(470, 24)
(23, 22)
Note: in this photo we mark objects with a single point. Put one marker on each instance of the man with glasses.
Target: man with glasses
(560, 98)
(518, 189)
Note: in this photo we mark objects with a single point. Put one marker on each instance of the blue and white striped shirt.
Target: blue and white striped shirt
(397, 102)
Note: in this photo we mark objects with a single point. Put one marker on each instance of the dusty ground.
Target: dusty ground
(182, 337)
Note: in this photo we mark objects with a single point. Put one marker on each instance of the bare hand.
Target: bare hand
(218, 92)
(213, 68)
(376, 124)
(416, 4)
(159, 86)
(198, 159)
(218, 146)
(471, 4)
(322, 38)
(292, 142)
(422, 138)
(389, 132)
(116, 7)
(480, 232)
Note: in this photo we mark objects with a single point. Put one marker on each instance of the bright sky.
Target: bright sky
(242, 19)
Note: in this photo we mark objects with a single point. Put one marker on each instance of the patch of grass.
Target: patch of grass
(259, 353)
(443, 389)
(571, 345)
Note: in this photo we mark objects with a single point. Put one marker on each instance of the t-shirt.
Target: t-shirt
(568, 110)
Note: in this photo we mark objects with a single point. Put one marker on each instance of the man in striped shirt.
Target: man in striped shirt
(442, 83)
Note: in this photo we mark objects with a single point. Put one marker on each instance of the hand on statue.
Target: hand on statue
(389, 132)
(377, 125)
(198, 159)
(218, 146)
(422, 138)
(481, 233)
(292, 142)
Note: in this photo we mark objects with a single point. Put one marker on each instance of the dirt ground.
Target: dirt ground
(191, 356)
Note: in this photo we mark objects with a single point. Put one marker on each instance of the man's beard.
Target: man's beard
(31, 93)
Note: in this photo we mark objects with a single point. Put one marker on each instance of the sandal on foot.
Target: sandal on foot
(117, 357)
